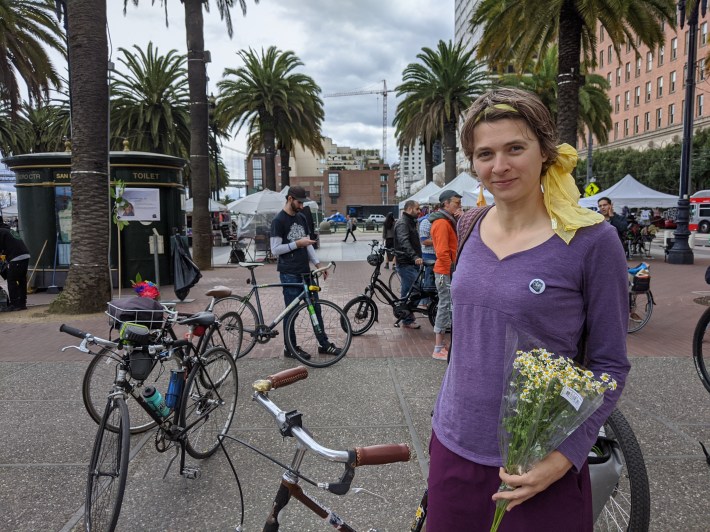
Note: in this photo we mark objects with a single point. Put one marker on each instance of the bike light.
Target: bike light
(199, 330)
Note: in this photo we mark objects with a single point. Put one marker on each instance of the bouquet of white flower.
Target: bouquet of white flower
(546, 399)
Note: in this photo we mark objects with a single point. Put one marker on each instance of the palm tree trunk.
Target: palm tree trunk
(87, 287)
(568, 77)
(285, 170)
(449, 150)
(199, 153)
(428, 161)
(270, 159)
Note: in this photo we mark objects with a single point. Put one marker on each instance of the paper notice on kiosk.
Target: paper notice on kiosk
(142, 205)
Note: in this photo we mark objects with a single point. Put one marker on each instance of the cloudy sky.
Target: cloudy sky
(345, 45)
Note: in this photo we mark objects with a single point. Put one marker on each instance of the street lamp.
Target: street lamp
(680, 252)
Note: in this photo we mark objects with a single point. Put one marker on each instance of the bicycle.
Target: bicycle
(199, 406)
(290, 425)
(225, 330)
(640, 299)
(311, 322)
(699, 348)
(362, 310)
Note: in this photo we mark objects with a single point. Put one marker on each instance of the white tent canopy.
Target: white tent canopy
(630, 193)
(423, 195)
(470, 198)
(215, 206)
(460, 184)
(266, 201)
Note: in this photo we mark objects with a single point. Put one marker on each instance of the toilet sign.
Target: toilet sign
(591, 189)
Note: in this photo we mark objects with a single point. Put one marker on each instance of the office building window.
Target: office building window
(671, 84)
(703, 34)
(601, 33)
(608, 78)
(334, 184)
(636, 124)
(608, 54)
(661, 55)
(649, 61)
(685, 74)
(700, 100)
(616, 130)
(671, 114)
(618, 76)
(648, 91)
(627, 100)
(637, 96)
(256, 168)
(628, 47)
(659, 118)
(647, 121)
(617, 103)
(685, 46)
(601, 59)
(638, 67)
(626, 127)
(674, 48)
(659, 87)
(628, 72)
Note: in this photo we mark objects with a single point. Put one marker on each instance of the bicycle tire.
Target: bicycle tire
(99, 377)
(108, 469)
(227, 333)
(336, 327)
(362, 313)
(629, 507)
(699, 348)
(395, 283)
(640, 305)
(248, 315)
(432, 309)
(211, 382)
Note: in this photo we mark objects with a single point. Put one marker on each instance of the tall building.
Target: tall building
(648, 93)
(463, 11)
(412, 168)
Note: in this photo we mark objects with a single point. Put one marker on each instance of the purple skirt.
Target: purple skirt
(460, 494)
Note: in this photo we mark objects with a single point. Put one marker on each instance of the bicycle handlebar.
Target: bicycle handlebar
(320, 270)
(73, 331)
(280, 379)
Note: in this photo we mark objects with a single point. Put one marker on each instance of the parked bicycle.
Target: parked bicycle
(198, 407)
(701, 347)
(362, 310)
(319, 331)
(640, 297)
(206, 331)
(290, 425)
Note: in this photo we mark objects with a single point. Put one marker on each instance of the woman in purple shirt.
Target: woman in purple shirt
(539, 263)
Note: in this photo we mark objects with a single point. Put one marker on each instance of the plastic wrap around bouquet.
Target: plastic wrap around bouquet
(546, 399)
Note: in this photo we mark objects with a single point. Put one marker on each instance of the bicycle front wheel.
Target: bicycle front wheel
(228, 333)
(395, 283)
(209, 402)
(108, 468)
(247, 313)
(629, 506)
(362, 313)
(701, 344)
(640, 310)
(327, 342)
(99, 377)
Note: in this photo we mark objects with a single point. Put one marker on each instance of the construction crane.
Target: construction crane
(383, 92)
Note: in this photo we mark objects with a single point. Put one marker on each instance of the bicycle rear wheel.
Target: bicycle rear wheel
(227, 334)
(209, 401)
(247, 313)
(99, 377)
(362, 313)
(629, 506)
(701, 345)
(108, 468)
(640, 310)
(333, 323)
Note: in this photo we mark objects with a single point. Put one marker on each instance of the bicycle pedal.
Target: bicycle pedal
(191, 472)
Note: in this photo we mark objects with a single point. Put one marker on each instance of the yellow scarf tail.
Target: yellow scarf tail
(481, 201)
(561, 196)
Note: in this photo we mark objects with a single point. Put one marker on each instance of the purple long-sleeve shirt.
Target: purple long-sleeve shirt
(545, 292)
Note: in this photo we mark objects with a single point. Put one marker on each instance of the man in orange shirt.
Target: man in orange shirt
(443, 235)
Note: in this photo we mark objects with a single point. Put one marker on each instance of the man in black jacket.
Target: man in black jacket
(606, 208)
(18, 258)
(406, 242)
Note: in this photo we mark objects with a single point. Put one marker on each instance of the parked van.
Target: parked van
(699, 219)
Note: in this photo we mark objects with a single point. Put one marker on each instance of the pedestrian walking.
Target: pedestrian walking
(352, 225)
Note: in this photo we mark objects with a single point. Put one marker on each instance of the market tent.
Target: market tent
(630, 193)
(215, 206)
(470, 198)
(266, 201)
(460, 184)
(423, 195)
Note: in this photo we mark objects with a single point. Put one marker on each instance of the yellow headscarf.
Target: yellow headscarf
(561, 196)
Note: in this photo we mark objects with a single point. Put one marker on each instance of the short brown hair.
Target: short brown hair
(514, 104)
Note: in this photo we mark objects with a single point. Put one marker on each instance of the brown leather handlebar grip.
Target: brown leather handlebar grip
(382, 454)
(287, 376)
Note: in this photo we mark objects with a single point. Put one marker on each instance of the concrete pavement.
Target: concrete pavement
(383, 391)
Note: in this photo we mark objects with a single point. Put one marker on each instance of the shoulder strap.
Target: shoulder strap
(466, 224)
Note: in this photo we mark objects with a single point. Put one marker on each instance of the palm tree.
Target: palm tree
(444, 85)
(274, 102)
(594, 106)
(87, 287)
(199, 136)
(412, 124)
(517, 31)
(150, 102)
(43, 127)
(27, 28)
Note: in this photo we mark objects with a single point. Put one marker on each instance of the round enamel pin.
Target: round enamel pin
(537, 286)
